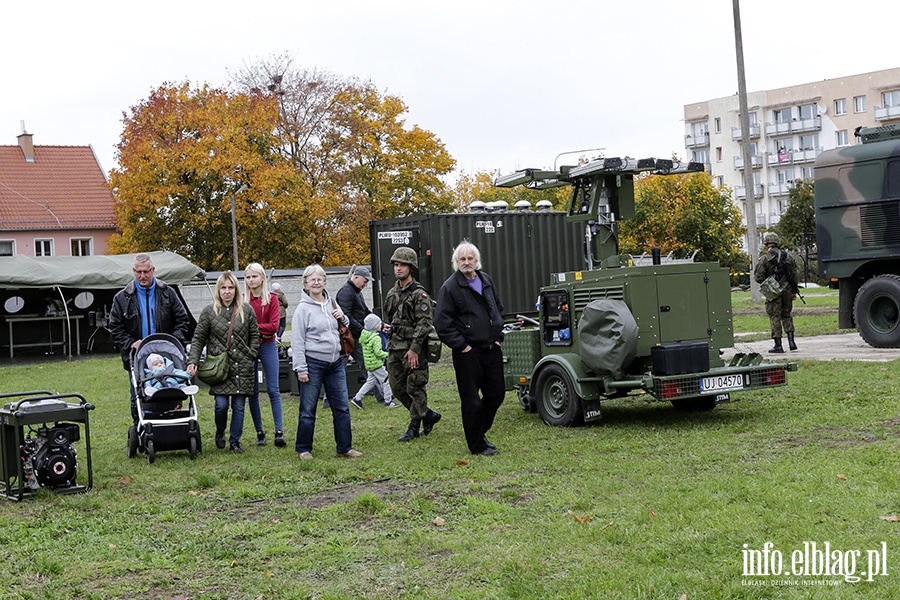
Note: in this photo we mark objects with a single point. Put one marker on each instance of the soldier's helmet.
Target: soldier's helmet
(406, 256)
(770, 237)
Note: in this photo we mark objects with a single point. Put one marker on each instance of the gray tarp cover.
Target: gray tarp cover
(607, 336)
(90, 271)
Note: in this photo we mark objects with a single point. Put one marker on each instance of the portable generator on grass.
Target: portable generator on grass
(38, 433)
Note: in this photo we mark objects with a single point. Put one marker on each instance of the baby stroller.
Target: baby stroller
(167, 416)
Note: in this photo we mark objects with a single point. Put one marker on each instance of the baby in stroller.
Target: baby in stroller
(164, 394)
(161, 373)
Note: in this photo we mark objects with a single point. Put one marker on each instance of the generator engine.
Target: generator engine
(49, 456)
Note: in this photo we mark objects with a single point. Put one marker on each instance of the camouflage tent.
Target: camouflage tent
(48, 302)
(90, 272)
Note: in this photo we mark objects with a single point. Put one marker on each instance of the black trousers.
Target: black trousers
(479, 378)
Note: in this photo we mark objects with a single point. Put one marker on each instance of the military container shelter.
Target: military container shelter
(519, 249)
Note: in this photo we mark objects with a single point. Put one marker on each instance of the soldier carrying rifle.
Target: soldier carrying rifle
(777, 273)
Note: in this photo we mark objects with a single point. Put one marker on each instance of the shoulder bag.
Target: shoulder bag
(214, 369)
(348, 344)
(433, 346)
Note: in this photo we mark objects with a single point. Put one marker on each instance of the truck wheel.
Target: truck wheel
(876, 311)
(556, 398)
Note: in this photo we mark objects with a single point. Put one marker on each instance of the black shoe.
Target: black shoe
(260, 438)
(220, 439)
(792, 344)
(489, 451)
(777, 348)
(279, 439)
(412, 432)
(489, 444)
(430, 420)
(236, 448)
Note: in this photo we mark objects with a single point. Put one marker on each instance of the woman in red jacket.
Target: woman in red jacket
(268, 314)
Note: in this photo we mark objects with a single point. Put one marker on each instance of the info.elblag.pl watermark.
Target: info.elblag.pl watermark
(812, 563)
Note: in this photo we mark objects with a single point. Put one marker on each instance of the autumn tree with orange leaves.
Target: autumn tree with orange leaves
(354, 150)
(308, 157)
(683, 213)
(184, 152)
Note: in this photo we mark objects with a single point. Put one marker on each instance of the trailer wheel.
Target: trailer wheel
(876, 311)
(556, 399)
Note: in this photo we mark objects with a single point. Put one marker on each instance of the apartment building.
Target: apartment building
(789, 128)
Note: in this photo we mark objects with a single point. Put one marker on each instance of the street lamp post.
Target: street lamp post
(234, 225)
(749, 196)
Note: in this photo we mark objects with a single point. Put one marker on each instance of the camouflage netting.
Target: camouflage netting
(608, 336)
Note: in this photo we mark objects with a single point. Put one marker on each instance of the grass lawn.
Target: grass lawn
(649, 503)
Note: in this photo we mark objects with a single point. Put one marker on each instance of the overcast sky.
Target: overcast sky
(504, 84)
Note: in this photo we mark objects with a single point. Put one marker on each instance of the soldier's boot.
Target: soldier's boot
(791, 343)
(430, 420)
(777, 347)
(412, 432)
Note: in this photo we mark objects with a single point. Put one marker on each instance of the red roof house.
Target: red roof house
(54, 201)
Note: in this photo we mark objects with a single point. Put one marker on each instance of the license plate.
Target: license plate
(721, 383)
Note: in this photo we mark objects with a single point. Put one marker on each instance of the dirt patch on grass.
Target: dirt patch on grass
(832, 436)
(340, 495)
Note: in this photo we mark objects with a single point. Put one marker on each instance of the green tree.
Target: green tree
(681, 214)
(800, 216)
(184, 153)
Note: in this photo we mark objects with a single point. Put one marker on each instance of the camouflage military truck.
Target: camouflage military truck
(619, 327)
(857, 206)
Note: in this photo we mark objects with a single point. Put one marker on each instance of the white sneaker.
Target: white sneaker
(149, 390)
(190, 390)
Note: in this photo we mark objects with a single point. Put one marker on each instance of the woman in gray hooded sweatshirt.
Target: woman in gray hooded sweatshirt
(316, 347)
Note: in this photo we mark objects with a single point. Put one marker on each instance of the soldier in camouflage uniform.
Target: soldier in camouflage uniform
(409, 311)
(776, 261)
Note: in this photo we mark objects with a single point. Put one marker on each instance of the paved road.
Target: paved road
(848, 346)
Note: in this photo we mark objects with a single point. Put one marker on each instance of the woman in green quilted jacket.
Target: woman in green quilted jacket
(212, 333)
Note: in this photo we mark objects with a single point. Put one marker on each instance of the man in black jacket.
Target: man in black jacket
(143, 307)
(350, 299)
(469, 320)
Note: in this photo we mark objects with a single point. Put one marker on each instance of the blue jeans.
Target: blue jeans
(334, 378)
(268, 355)
(237, 416)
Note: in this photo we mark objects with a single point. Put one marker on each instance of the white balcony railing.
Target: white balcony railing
(736, 133)
(779, 189)
(740, 191)
(755, 160)
(794, 126)
(790, 157)
(886, 114)
(696, 141)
